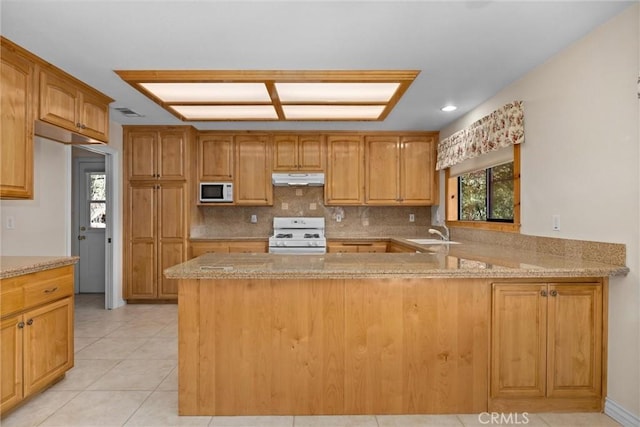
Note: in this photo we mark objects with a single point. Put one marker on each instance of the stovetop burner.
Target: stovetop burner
(311, 236)
(284, 236)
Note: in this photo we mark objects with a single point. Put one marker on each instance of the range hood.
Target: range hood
(314, 179)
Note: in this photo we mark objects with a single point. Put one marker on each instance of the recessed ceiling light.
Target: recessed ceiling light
(449, 108)
(220, 95)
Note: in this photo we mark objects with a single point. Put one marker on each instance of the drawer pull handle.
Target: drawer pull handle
(30, 322)
(50, 291)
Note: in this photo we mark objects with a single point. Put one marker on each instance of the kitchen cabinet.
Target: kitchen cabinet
(223, 246)
(253, 170)
(298, 153)
(69, 104)
(344, 180)
(155, 236)
(356, 247)
(215, 157)
(16, 123)
(36, 333)
(400, 248)
(400, 170)
(546, 345)
(156, 152)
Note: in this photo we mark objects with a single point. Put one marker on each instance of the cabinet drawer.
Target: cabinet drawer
(11, 300)
(50, 286)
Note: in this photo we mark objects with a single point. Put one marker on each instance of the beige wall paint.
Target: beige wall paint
(41, 224)
(580, 160)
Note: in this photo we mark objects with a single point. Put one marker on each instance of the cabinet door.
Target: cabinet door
(575, 334)
(140, 152)
(172, 155)
(16, 129)
(94, 117)
(518, 344)
(417, 171)
(345, 171)
(10, 362)
(215, 158)
(285, 153)
(382, 170)
(253, 171)
(171, 234)
(340, 247)
(48, 344)
(311, 152)
(140, 260)
(378, 247)
(59, 101)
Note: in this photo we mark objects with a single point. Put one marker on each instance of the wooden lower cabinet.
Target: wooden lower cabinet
(227, 246)
(156, 237)
(356, 247)
(36, 342)
(547, 349)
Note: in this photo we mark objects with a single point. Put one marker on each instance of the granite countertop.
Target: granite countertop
(464, 260)
(11, 266)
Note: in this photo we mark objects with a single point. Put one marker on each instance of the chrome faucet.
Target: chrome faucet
(444, 237)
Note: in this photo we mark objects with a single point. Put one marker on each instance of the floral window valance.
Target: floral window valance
(502, 128)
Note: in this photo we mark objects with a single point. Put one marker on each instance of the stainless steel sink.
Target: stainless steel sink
(432, 242)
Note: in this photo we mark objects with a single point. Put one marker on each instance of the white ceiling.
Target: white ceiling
(466, 50)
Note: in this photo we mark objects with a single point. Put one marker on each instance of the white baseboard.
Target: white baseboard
(621, 415)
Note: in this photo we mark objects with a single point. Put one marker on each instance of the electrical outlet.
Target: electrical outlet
(555, 220)
(254, 219)
(412, 218)
(338, 218)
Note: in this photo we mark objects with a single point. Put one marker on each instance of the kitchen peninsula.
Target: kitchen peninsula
(455, 329)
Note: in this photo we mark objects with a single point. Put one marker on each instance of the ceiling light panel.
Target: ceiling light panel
(332, 112)
(336, 92)
(209, 92)
(226, 112)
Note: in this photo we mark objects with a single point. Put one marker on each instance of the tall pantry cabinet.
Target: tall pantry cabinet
(155, 201)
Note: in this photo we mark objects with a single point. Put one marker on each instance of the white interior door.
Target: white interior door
(92, 210)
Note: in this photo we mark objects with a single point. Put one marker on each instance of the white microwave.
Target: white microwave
(216, 192)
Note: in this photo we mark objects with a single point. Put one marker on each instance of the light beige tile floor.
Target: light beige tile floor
(125, 374)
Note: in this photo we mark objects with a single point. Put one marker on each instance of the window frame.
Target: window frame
(452, 203)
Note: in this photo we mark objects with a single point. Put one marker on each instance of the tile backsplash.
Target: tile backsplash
(355, 221)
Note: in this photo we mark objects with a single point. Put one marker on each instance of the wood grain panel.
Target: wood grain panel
(172, 154)
(141, 153)
(311, 152)
(10, 363)
(215, 157)
(285, 152)
(418, 181)
(345, 170)
(189, 358)
(519, 340)
(253, 170)
(575, 325)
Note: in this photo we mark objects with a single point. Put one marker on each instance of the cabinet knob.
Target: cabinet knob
(543, 293)
(553, 293)
(78, 125)
(20, 325)
(83, 126)
(30, 322)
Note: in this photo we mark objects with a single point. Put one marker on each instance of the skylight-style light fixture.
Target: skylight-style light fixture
(273, 95)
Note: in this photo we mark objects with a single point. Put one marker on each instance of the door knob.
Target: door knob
(83, 228)
(82, 237)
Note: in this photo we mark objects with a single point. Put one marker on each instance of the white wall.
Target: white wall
(581, 160)
(41, 224)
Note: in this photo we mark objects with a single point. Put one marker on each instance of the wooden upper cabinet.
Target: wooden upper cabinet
(16, 124)
(153, 153)
(547, 340)
(298, 153)
(253, 170)
(215, 157)
(400, 170)
(68, 104)
(344, 181)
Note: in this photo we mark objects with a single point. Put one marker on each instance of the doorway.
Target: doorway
(89, 222)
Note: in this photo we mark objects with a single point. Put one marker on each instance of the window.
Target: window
(97, 200)
(487, 198)
(487, 194)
